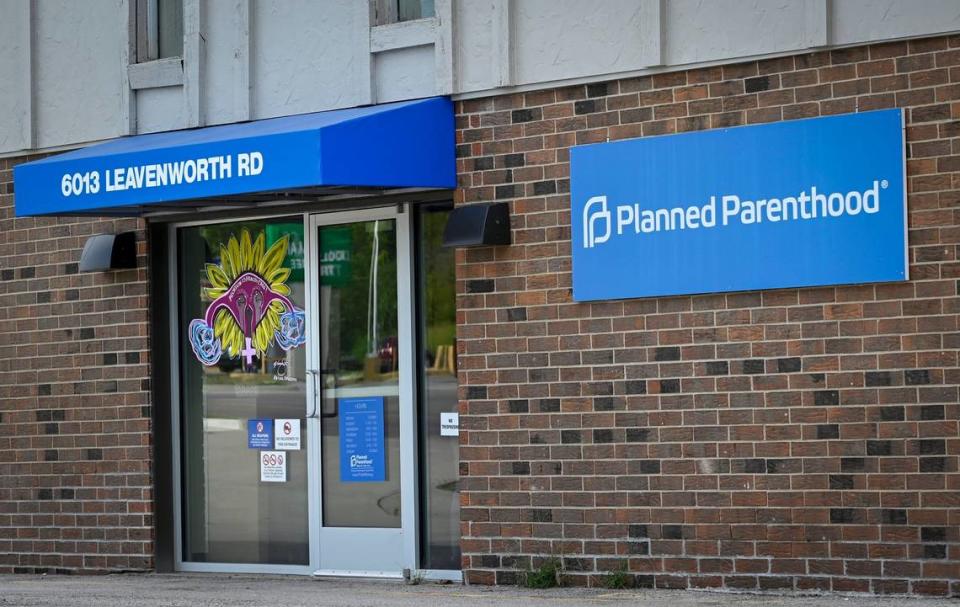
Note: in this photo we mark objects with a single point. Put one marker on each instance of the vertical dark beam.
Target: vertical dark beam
(163, 501)
(420, 340)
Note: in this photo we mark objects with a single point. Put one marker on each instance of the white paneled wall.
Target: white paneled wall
(67, 76)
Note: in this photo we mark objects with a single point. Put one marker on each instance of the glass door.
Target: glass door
(238, 349)
(363, 414)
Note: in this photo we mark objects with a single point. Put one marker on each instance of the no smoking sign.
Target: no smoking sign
(286, 434)
(273, 467)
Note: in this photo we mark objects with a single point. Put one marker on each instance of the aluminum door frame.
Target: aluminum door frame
(409, 513)
(173, 303)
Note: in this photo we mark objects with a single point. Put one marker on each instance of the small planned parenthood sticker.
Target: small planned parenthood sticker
(260, 434)
(286, 434)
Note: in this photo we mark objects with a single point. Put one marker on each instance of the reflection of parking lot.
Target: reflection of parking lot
(264, 521)
(250, 521)
(443, 518)
(362, 504)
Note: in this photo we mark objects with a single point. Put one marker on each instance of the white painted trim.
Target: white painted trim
(193, 61)
(502, 40)
(29, 126)
(443, 52)
(651, 32)
(409, 473)
(363, 70)
(128, 56)
(405, 34)
(242, 101)
(816, 23)
(155, 74)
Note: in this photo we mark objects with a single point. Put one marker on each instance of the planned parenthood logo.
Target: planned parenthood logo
(592, 216)
(360, 461)
(725, 210)
(798, 203)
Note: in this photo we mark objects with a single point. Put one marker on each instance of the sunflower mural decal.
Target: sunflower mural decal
(250, 307)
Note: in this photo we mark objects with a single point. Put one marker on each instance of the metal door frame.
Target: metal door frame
(409, 434)
(409, 499)
(175, 404)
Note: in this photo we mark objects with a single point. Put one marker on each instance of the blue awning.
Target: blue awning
(397, 145)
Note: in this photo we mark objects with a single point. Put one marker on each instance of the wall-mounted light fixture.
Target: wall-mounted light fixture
(478, 225)
(104, 252)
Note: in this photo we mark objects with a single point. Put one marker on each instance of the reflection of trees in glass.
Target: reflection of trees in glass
(440, 295)
(228, 515)
(354, 295)
(218, 234)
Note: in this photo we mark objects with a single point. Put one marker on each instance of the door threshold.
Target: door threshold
(389, 575)
(440, 575)
(428, 575)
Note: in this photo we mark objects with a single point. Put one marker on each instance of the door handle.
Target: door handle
(336, 405)
(314, 375)
(334, 413)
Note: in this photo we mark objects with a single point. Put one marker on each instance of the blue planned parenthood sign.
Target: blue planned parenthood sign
(361, 440)
(260, 434)
(809, 202)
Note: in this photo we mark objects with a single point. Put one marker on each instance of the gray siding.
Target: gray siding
(68, 81)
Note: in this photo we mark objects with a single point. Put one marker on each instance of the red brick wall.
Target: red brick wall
(75, 485)
(793, 439)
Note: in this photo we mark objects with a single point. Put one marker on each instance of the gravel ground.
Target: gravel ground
(214, 590)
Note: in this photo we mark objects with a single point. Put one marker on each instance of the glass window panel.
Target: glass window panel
(242, 357)
(408, 10)
(169, 28)
(440, 454)
(358, 352)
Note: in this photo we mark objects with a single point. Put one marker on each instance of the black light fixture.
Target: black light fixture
(478, 225)
(104, 252)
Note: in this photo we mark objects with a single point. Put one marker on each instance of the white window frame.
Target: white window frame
(147, 31)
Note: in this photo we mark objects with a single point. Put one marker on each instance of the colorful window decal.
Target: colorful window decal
(250, 307)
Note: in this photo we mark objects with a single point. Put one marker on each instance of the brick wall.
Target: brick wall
(800, 439)
(75, 485)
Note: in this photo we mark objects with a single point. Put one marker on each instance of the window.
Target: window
(394, 11)
(159, 29)
(440, 454)
(408, 10)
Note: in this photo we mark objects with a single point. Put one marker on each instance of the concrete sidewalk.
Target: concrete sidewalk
(210, 590)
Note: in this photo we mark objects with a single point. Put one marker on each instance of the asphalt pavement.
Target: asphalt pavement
(215, 590)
